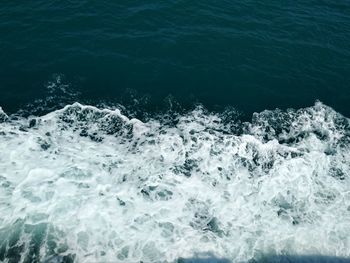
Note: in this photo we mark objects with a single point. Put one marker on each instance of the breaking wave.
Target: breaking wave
(91, 185)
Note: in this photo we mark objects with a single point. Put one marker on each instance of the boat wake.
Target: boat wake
(87, 184)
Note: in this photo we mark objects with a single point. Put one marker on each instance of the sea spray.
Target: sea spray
(91, 185)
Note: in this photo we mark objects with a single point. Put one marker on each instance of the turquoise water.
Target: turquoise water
(174, 131)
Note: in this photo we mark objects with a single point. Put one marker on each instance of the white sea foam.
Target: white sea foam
(93, 185)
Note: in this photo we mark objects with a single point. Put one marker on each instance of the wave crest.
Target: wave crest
(91, 184)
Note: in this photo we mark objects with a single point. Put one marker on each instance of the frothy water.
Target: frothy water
(92, 185)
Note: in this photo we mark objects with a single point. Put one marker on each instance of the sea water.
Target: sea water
(93, 185)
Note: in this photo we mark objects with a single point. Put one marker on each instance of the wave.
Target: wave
(87, 184)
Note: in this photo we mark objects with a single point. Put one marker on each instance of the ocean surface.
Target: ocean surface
(174, 131)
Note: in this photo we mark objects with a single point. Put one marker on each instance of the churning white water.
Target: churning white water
(92, 185)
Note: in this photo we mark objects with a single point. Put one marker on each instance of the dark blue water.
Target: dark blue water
(134, 131)
(246, 54)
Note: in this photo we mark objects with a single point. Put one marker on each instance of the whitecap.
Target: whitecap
(90, 184)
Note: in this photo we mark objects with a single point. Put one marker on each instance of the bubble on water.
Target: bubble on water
(86, 184)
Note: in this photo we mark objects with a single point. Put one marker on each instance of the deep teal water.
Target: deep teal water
(247, 54)
(198, 183)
